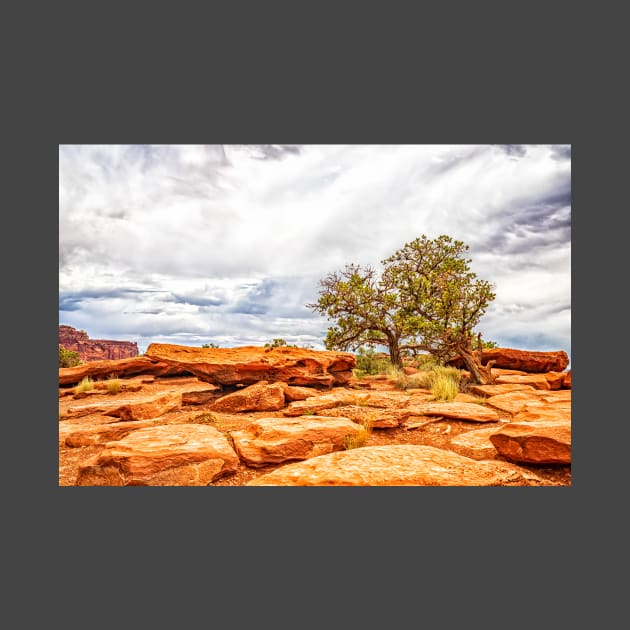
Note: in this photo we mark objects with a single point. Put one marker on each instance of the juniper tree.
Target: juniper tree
(426, 298)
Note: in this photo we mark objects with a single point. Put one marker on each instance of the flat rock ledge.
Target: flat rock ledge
(250, 364)
(167, 455)
(397, 465)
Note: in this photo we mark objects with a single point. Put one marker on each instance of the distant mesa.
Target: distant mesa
(95, 349)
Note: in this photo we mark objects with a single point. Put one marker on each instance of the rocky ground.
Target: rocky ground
(86, 426)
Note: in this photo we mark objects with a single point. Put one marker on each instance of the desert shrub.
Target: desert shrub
(68, 358)
(425, 361)
(445, 383)
(362, 437)
(371, 362)
(209, 345)
(113, 385)
(86, 385)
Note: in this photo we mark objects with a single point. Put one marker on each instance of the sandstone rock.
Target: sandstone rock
(325, 401)
(512, 402)
(555, 379)
(534, 442)
(525, 360)
(258, 397)
(250, 364)
(476, 443)
(275, 440)
(95, 349)
(378, 418)
(101, 433)
(541, 404)
(459, 411)
(397, 465)
(167, 455)
(537, 381)
(566, 382)
(146, 409)
(558, 410)
(120, 368)
(200, 397)
(292, 394)
(495, 390)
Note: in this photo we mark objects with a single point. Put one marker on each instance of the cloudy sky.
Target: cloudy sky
(226, 244)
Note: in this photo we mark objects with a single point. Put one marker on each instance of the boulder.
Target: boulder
(258, 397)
(167, 455)
(275, 440)
(534, 442)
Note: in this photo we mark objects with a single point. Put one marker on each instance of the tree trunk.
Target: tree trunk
(480, 374)
(394, 353)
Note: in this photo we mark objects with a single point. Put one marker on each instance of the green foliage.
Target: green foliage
(424, 362)
(489, 344)
(370, 362)
(209, 345)
(68, 358)
(426, 298)
(278, 342)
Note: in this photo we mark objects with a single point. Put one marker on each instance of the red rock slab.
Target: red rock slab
(397, 465)
(518, 401)
(260, 396)
(75, 436)
(558, 410)
(147, 409)
(534, 442)
(555, 379)
(512, 402)
(476, 443)
(377, 417)
(524, 360)
(566, 383)
(537, 381)
(275, 440)
(495, 390)
(324, 401)
(458, 411)
(166, 455)
(250, 364)
(292, 394)
(120, 368)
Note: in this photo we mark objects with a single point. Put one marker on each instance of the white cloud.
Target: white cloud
(226, 244)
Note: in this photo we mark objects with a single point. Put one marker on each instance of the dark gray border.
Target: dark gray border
(371, 75)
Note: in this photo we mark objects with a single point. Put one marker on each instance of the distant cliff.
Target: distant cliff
(95, 349)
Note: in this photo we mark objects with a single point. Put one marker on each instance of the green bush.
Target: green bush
(371, 362)
(68, 358)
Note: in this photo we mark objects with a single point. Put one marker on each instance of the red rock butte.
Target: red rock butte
(95, 349)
